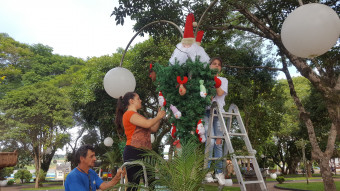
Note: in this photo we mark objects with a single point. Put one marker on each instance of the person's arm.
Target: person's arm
(141, 121)
(114, 181)
(155, 127)
(219, 91)
(221, 86)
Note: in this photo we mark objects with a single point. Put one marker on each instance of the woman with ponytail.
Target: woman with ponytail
(138, 131)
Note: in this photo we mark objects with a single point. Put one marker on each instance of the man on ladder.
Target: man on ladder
(215, 145)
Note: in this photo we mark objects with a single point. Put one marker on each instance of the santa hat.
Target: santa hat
(189, 37)
(199, 37)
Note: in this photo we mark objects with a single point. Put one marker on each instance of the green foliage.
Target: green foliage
(24, 175)
(10, 182)
(42, 175)
(184, 172)
(191, 105)
(6, 172)
(280, 179)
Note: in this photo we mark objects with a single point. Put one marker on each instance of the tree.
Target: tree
(37, 115)
(88, 93)
(24, 175)
(4, 172)
(264, 20)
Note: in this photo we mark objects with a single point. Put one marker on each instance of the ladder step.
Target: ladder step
(253, 182)
(228, 113)
(216, 159)
(244, 157)
(237, 134)
(217, 137)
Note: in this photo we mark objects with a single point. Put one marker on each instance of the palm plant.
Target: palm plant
(111, 160)
(184, 172)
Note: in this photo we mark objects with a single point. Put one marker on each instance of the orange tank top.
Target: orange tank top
(138, 137)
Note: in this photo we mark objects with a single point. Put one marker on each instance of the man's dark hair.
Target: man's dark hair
(82, 151)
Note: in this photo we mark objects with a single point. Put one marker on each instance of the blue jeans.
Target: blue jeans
(213, 147)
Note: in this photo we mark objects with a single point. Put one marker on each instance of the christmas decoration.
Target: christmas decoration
(161, 99)
(173, 130)
(218, 82)
(182, 91)
(190, 61)
(200, 131)
(187, 48)
(191, 105)
(175, 111)
(203, 91)
(199, 37)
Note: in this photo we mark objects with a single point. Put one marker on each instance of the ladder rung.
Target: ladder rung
(253, 182)
(244, 157)
(228, 113)
(237, 134)
(217, 137)
(216, 159)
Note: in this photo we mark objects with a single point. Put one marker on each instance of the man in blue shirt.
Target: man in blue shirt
(83, 178)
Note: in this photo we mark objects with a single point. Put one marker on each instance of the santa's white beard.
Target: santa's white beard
(181, 54)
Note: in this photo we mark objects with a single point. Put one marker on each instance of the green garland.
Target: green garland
(191, 105)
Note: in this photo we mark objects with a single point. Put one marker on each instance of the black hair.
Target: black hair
(82, 152)
(216, 58)
(123, 103)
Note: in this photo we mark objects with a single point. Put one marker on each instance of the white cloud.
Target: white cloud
(81, 28)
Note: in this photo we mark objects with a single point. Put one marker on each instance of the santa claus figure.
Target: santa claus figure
(188, 48)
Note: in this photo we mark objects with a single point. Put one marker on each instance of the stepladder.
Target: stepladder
(123, 179)
(236, 147)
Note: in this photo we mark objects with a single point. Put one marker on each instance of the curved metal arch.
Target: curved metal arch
(140, 30)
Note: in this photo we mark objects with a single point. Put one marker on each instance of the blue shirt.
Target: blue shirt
(79, 181)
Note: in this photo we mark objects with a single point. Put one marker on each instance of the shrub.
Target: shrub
(280, 179)
(23, 174)
(10, 182)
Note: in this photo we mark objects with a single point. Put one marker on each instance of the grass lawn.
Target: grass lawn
(313, 186)
(226, 188)
(45, 188)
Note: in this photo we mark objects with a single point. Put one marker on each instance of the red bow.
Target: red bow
(179, 80)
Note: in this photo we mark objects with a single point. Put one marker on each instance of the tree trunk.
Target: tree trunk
(316, 151)
(46, 161)
(293, 165)
(37, 169)
(309, 169)
(326, 173)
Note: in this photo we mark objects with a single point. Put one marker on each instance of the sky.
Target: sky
(80, 28)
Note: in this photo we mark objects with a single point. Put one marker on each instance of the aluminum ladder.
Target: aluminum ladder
(122, 178)
(233, 112)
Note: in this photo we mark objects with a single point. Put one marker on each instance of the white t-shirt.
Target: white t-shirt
(220, 99)
(181, 54)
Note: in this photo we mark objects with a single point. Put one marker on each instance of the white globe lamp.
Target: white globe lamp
(108, 141)
(273, 176)
(119, 81)
(228, 182)
(310, 30)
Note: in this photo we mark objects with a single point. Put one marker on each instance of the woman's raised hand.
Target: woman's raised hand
(161, 113)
